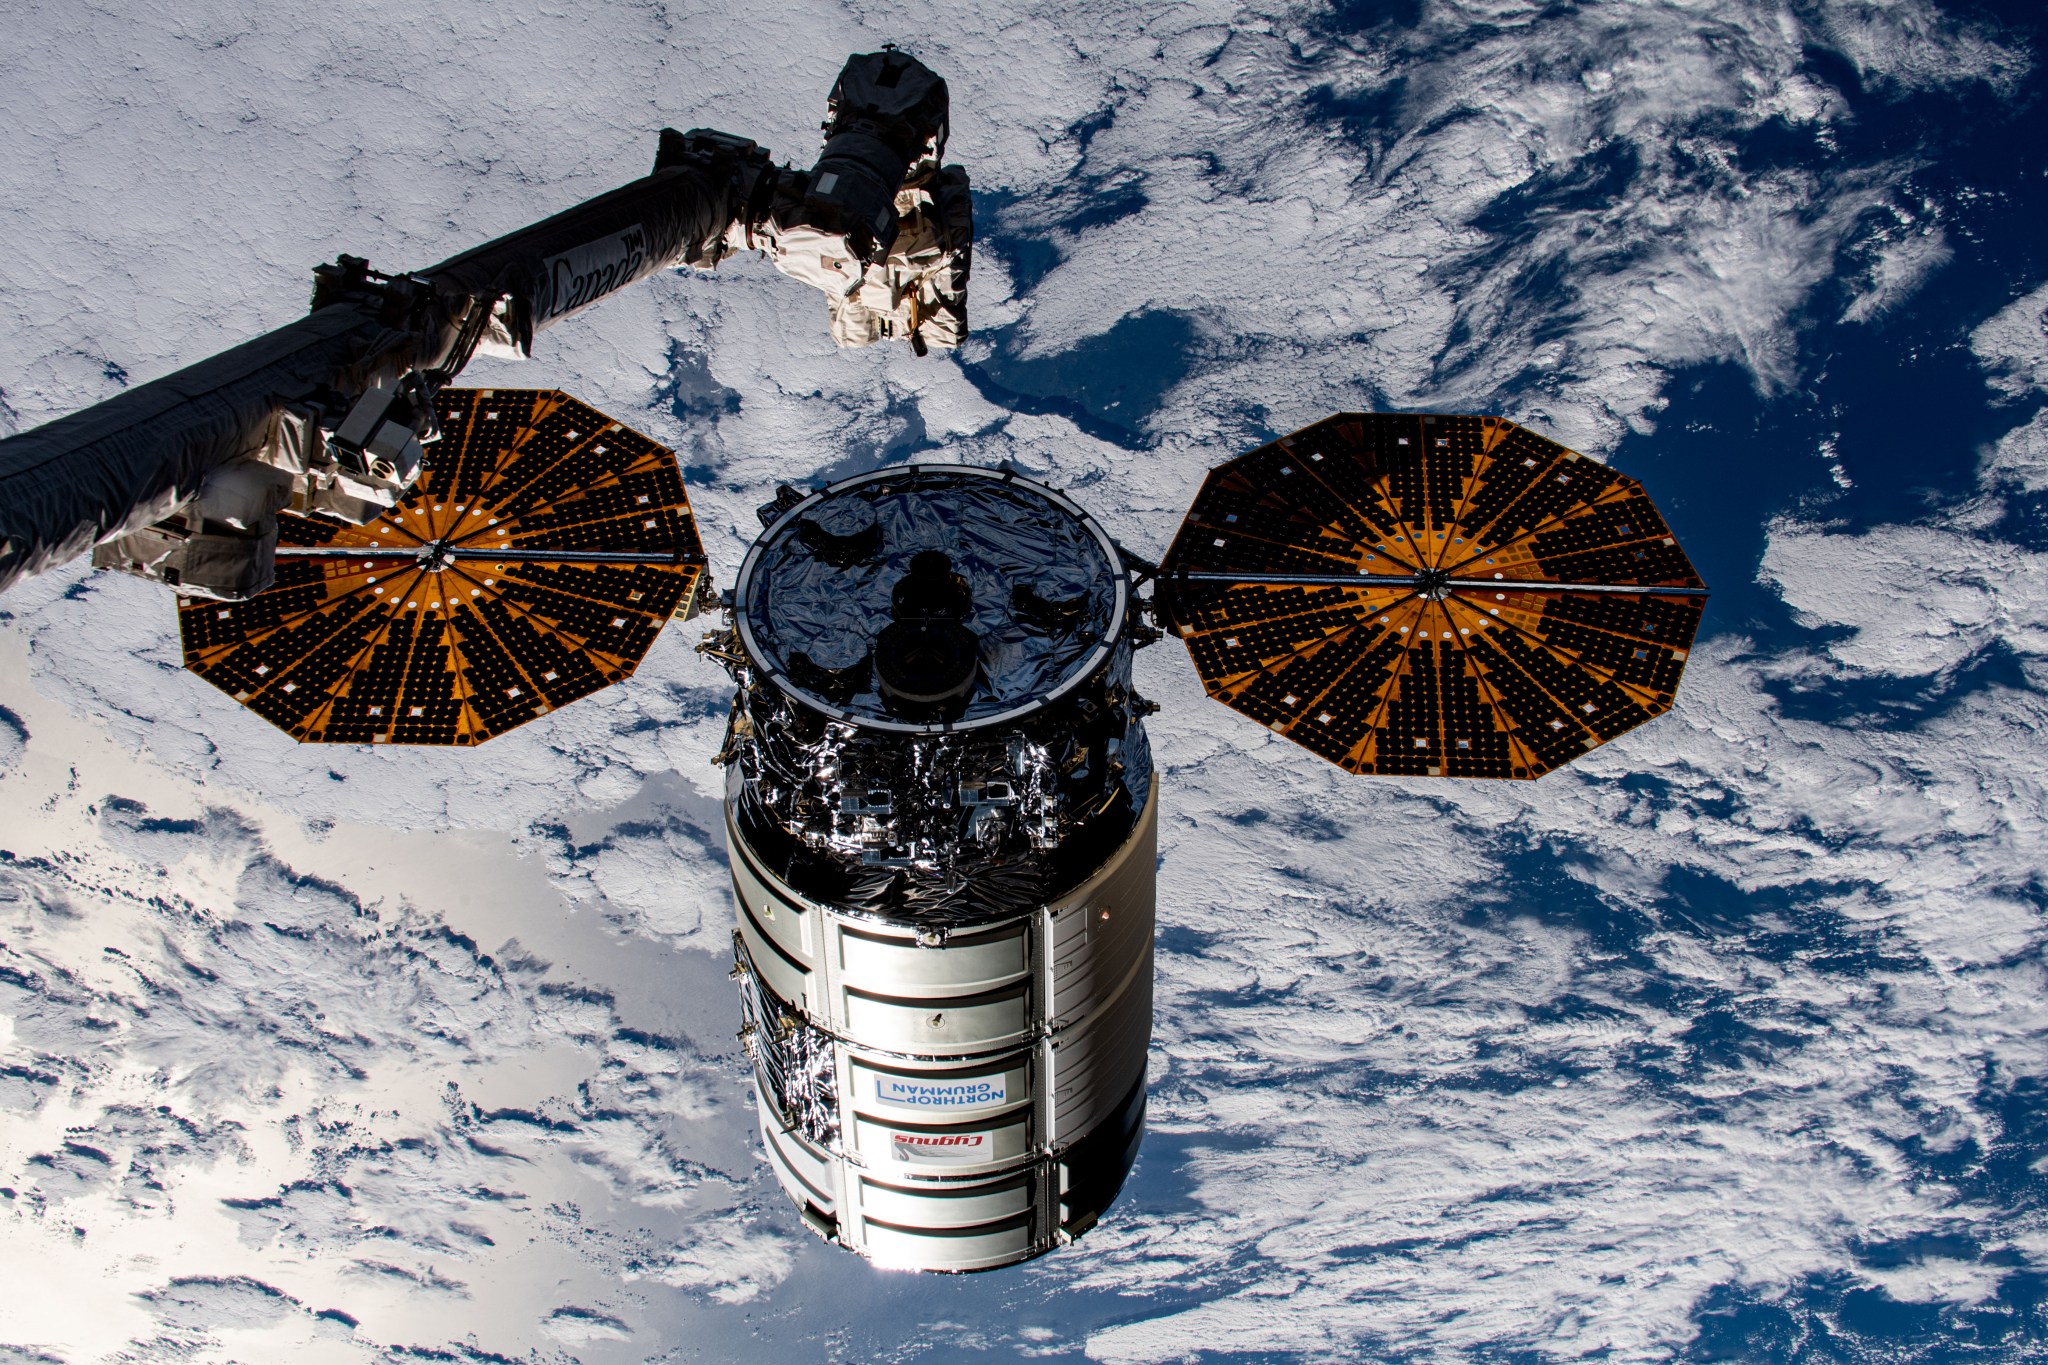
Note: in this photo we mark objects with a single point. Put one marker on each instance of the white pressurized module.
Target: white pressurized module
(943, 829)
(961, 1105)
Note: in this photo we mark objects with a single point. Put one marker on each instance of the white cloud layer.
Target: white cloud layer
(354, 1055)
(1913, 600)
(2013, 344)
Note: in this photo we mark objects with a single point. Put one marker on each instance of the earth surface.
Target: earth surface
(1729, 1042)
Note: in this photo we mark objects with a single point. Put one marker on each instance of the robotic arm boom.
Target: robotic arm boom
(183, 478)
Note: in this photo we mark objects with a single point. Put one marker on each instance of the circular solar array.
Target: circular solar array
(535, 561)
(1432, 596)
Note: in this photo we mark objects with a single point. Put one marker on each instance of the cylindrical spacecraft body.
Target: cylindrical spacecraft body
(942, 823)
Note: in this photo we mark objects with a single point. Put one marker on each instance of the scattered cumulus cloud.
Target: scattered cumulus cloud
(349, 1049)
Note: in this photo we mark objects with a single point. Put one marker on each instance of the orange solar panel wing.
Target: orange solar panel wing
(1432, 595)
(534, 562)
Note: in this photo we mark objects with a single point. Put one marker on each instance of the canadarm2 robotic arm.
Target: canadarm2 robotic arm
(182, 479)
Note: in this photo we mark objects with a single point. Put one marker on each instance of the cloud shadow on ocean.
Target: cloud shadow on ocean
(1110, 385)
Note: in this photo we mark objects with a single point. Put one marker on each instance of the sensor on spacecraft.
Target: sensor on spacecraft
(940, 803)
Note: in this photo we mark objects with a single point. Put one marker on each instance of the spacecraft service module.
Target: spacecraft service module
(940, 803)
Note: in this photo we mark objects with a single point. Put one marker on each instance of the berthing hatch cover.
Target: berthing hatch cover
(535, 561)
(1432, 595)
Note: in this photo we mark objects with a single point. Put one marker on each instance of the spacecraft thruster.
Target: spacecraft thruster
(940, 803)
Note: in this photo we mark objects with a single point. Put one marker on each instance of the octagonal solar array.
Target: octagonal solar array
(1432, 595)
(535, 561)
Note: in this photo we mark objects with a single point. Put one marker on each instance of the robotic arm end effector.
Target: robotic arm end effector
(879, 224)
